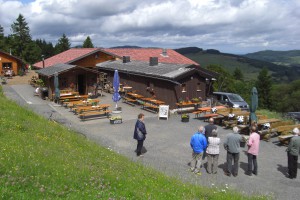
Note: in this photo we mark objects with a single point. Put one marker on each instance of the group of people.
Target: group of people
(206, 143)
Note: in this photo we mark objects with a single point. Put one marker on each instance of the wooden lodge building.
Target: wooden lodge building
(166, 74)
(9, 64)
(168, 82)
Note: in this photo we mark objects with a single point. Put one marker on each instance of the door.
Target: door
(81, 83)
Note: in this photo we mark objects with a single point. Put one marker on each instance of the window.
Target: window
(198, 87)
(6, 66)
(183, 86)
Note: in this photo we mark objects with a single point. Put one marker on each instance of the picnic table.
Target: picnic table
(72, 98)
(93, 111)
(153, 101)
(134, 95)
(73, 104)
(81, 109)
(205, 110)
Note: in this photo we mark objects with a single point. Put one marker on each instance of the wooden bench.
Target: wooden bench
(197, 113)
(150, 107)
(207, 116)
(129, 101)
(91, 114)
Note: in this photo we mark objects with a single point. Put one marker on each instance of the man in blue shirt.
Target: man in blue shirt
(198, 143)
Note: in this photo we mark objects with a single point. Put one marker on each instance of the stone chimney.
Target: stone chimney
(126, 59)
(164, 52)
(153, 61)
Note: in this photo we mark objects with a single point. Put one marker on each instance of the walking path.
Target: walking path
(168, 148)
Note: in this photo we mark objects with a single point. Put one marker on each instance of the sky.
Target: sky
(231, 26)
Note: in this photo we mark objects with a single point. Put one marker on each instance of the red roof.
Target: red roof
(143, 54)
(66, 57)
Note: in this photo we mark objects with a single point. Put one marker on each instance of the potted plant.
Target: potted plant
(40, 83)
(116, 120)
(185, 118)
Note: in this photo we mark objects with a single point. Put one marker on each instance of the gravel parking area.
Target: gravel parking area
(167, 146)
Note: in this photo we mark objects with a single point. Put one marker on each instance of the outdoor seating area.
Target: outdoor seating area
(88, 108)
(146, 103)
(230, 117)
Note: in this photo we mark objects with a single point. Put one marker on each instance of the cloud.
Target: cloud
(231, 25)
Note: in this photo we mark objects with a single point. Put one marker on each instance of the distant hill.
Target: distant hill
(250, 67)
(287, 58)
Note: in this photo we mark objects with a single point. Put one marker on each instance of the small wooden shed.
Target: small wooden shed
(10, 63)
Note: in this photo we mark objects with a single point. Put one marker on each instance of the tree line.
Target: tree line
(275, 97)
(20, 43)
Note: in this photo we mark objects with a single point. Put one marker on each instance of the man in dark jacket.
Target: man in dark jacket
(208, 132)
(140, 134)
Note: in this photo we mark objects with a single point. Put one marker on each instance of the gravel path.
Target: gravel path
(167, 146)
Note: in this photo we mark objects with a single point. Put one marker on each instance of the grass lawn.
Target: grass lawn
(40, 159)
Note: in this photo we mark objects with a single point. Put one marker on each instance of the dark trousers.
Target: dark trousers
(235, 157)
(139, 147)
(252, 159)
(292, 165)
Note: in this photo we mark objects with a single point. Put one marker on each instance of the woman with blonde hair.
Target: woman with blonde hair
(213, 151)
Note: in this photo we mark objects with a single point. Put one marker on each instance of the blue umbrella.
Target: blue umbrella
(116, 83)
(253, 105)
(56, 86)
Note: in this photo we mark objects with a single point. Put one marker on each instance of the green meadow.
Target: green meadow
(40, 159)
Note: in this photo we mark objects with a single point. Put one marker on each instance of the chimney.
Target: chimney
(153, 61)
(164, 52)
(126, 59)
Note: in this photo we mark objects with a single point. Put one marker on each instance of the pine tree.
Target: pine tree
(264, 86)
(1, 31)
(88, 43)
(62, 45)
(1, 38)
(238, 75)
(47, 48)
(20, 35)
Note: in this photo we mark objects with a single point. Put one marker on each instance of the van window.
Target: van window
(235, 97)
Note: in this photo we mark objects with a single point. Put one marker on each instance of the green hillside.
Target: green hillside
(287, 58)
(250, 67)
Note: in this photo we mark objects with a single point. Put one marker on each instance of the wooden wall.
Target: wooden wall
(166, 91)
(66, 78)
(93, 59)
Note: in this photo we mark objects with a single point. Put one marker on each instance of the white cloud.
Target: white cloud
(232, 25)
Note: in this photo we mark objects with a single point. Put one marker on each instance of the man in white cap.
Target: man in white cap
(292, 153)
